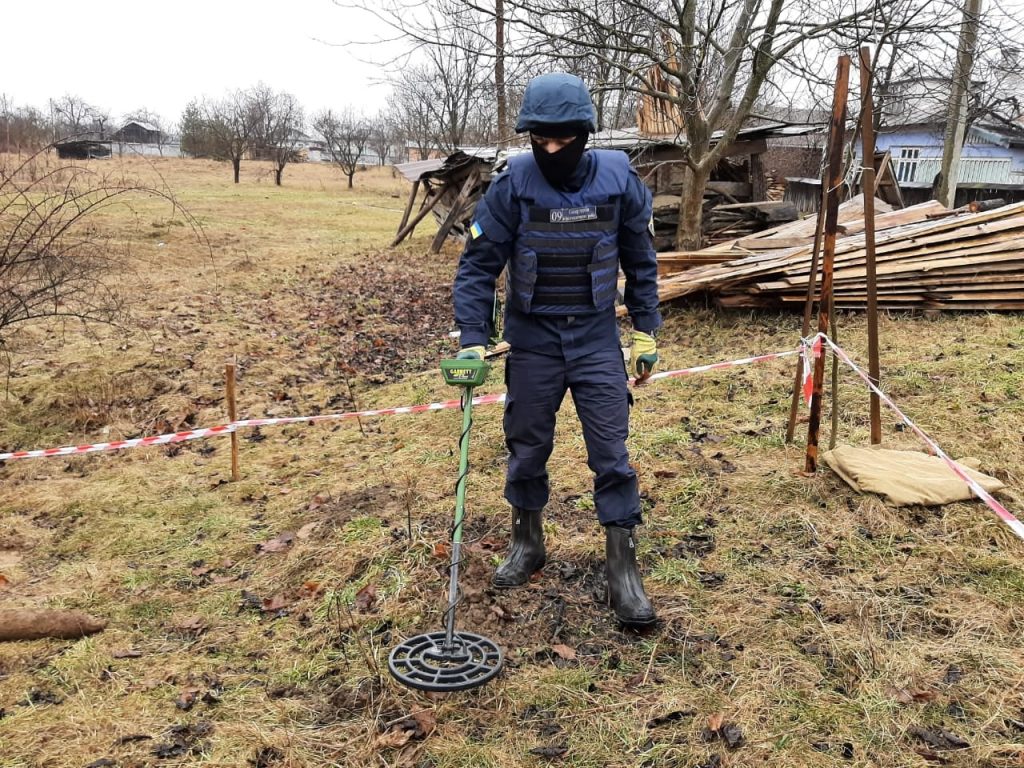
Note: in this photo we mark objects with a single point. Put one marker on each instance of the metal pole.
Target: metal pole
(867, 185)
(835, 178)
(460, 506)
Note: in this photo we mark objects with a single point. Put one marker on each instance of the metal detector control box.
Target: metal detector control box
(465, 372)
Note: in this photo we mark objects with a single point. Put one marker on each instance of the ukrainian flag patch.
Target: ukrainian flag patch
(475, 230)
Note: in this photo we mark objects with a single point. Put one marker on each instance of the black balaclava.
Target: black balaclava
(559, 167)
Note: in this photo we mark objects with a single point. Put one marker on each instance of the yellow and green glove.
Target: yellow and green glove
(643, 355)
(467, 353)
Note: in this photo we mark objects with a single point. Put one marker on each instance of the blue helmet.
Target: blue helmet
(556, 99)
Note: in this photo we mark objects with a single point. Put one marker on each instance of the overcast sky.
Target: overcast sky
(121, 55)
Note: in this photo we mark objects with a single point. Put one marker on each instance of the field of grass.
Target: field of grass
(249, 623)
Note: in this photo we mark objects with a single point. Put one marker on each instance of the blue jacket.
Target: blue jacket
(501, 231)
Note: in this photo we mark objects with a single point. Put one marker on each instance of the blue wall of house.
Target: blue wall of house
(930, 144)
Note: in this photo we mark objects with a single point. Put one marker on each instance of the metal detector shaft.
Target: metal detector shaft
(460, 504)
(450, 660)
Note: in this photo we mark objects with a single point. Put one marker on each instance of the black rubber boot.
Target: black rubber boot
(625, 588)
(526, 552)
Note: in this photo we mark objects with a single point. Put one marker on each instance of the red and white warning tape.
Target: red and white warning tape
(1004, 514)
(226, 429)
(809, 348)
(717, 366)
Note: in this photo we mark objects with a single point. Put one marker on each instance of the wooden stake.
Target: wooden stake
(229, 376)
(867, 185)
(812, 285)
(833, 181)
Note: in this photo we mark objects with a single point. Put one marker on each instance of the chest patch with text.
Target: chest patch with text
(572, 215)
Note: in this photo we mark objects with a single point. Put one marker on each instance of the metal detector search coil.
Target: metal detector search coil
(427, 663)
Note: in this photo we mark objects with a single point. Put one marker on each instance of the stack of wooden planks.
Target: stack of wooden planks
(928, 257)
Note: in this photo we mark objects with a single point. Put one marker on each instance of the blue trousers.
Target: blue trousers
(536, 387)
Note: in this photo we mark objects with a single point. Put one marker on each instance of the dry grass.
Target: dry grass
(825, 625)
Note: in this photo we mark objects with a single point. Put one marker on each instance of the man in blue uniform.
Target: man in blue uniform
(563, 220)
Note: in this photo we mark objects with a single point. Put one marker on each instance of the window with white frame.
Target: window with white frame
(906, 163)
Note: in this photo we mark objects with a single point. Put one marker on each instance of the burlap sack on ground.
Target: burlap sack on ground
(905, 477)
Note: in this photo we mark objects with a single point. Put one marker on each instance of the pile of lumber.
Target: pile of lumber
(928, 257)
(724, 223)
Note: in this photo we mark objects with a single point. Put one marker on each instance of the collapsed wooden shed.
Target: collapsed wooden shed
(451, 188)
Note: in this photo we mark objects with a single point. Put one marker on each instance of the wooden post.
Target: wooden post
(428, 206)
(229, 376)
(409, 205)
(867, 185)
(758, 180)
(834, 179)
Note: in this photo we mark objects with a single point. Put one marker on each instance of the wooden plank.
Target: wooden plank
(757, 243)
(988, 246)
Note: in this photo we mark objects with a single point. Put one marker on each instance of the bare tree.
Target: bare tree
(410, 105)
(383, 136)
(54, 261)
(457, 72)
(278, 121)
(24, 128)
(223, 130)
(73, 116)
(709, 59)
(7, 116)
(346, 135)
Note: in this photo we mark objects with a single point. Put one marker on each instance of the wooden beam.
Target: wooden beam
(758, 181)
(428, 206)
(409, 205)
(755, 147)
(456, 212)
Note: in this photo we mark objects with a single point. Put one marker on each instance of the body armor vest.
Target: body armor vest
(566, 257)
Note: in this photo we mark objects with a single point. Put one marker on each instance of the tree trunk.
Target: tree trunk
(350, 175)
(236, 164)
(499, 69)
(278, 173)
(688, 232)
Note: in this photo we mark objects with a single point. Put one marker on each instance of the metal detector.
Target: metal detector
(450, 660)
